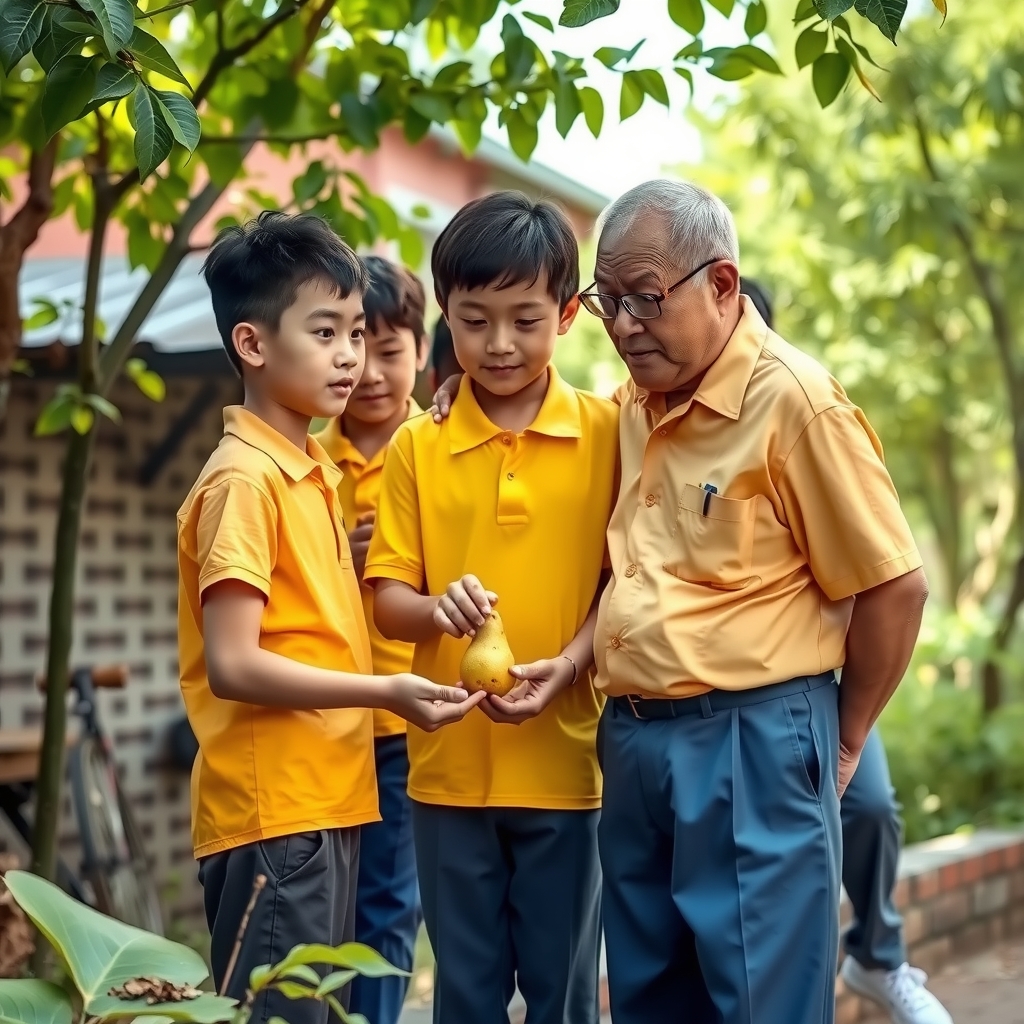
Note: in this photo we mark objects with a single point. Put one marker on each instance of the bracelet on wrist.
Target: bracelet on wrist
(575, 670)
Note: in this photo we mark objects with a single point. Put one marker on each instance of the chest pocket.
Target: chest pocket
(714, 550)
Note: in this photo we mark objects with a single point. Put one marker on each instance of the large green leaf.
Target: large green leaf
(69, 87)
(350, 955)
(593, 109)
(581, 12)
(568, 107)
(22, 23)
(810, 45)
(57, 37)
(180, 116)
(687, 14)
(886, 14)
(113, 82)
(831, 9)
(153, 137)
(828, 76)
(34, 1002)
(151, 54)
(631, 96)
(117, 20)
(609, 56)
(756, 20)
(204, 1009)
(99, 952)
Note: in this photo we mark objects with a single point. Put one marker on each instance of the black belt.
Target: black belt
(708, 704)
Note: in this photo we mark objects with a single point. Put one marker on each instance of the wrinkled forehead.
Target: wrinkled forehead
(634, 251)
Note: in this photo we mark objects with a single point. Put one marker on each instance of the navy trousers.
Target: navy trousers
(872, 834)
(720, 844)
(511, 895)
(387, 897)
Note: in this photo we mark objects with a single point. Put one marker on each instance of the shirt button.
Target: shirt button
(511, 476)
(630, 571)
(651, 499)
(615, 642)
(505, 439)
(663, 432)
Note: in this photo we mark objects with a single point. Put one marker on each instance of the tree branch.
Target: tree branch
(164, 10)
(223, 140)
(312, 31)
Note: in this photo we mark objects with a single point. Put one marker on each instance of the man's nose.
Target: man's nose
(501, 340)
(625, 324)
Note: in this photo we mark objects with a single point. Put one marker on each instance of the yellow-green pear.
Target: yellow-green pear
(488, 658)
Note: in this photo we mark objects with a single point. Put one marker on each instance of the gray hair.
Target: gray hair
(700, 224)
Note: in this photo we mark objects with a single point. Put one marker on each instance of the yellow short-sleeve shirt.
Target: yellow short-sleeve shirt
(525, 513)
(360, 493)
(753, 584)
(266, 513)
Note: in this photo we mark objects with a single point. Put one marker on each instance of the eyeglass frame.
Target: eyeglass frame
(657, 299)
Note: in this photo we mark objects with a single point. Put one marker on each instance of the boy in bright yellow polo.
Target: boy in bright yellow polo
(273, 650)
(387, 896)
(505, 504)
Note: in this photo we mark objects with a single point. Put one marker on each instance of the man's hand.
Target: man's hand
(444, 396)
(428, 705)
(359, 542)
(463, 607)
(847, 766)
(541, 682)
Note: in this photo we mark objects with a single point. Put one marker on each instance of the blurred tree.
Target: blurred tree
(893, 237)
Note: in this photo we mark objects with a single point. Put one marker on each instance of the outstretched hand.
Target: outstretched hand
(444, 396)
(540, 683)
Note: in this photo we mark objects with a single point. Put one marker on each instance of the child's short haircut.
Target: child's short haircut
(394, 296)
(255, 271)
(442, 352)
(504, 239)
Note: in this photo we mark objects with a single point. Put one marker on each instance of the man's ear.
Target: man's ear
(422, 352)
(568, 314)
(248, 344)
(725, 281)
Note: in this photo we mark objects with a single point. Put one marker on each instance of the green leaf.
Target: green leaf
(593, 109)
(810, 45)
(519, 51)
(687, 14)
(57, 37)
(151, 54)
(522, 135)
(582, 12)
(223, 161)
(69, 87)
(180, 116)
(631, 96)
(410, 246)
(940, 6)
(831, 9)
(359, 120)
(540, 19)
(22, 24)
(206, 1009)
(134, 367)
(828, 76)
(334, 981)
(82, 419)
(851, 55)
(304, 973)
(686, 74)
(756, 20)
(352, 955)
(691, 51)
(415, 125)
(434, 106)
(756, 56)
(34, 1002)
(421, 10)
(308, 185)
(886, 14)
(113, 82)
(568, 106)
(116, 18)
(143, 249)
(103, 406)
(55, 417)
(153, 138)
(723, 6)
(804, 9)
(654, 85)
(609, 56)
(46, 313)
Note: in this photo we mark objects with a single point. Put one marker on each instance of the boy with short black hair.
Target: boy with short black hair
(443, 363)
(507, 498)
(396, 345)
(273, 650)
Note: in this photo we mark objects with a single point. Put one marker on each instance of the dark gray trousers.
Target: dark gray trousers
(511, 895)
(872, 833)
(309, 897)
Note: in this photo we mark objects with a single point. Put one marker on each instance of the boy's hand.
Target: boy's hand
(428, 705)
(444, 396)
(359, 542)
(542, 681)
(463, 607)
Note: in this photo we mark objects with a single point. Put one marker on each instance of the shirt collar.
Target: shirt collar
(295, 464)
(726, 380)
(341, 449)
(559, 415)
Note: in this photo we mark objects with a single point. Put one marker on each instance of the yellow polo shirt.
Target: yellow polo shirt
(526, 513)
(758, 586)
(266, 513)
(360, 493)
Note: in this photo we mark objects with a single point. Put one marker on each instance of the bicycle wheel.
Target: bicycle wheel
(114, 860)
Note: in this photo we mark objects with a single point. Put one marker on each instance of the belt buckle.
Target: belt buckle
(633, 706)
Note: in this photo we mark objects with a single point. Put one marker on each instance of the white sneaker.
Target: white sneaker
(901, 992)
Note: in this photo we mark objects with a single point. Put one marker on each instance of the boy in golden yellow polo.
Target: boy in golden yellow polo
(505, 505)
(273, 650)
(396, 344)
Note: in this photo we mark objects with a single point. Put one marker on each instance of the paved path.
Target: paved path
(986, 989)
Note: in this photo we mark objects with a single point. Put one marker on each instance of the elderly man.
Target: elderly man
(757, 546)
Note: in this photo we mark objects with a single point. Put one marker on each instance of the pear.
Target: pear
(488, 658)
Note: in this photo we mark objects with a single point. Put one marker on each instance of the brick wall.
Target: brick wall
(126, 597)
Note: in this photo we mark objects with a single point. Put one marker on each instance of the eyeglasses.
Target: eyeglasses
(640, 305)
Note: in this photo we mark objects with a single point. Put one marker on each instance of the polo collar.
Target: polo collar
(295, 464)
(725, 383)
(469, 427)
(341, 449)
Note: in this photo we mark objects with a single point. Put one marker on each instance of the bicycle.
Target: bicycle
(114, 876)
